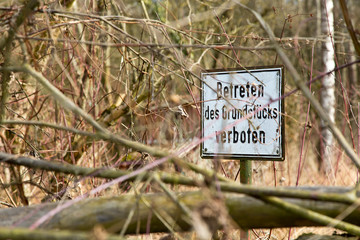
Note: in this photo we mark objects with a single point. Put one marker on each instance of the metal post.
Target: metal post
(245, 178)
(245, 172)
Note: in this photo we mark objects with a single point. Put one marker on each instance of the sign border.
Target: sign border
(282, 119)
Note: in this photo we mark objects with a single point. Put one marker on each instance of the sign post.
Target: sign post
(242, 117)
(245, 178)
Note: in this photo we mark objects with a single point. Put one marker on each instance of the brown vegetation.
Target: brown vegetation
(107, 93)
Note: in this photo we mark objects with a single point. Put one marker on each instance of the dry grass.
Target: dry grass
(155, 90)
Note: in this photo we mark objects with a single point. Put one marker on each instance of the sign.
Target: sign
(242, 114)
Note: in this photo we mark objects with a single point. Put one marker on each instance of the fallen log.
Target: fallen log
(310, 236)
(41, 234)
(157, 213)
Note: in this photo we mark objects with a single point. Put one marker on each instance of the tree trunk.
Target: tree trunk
(310, 236)
(157, 213)
(328, 84)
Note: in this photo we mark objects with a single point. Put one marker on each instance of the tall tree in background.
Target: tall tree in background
(328, 82)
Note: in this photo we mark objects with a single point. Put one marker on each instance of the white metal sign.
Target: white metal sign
(242, 114)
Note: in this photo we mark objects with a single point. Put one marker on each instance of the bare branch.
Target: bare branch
(350, 27)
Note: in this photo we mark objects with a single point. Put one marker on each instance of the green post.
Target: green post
(245, 172)
(245, 178)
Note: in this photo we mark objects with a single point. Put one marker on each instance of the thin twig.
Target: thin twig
(313, 216)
